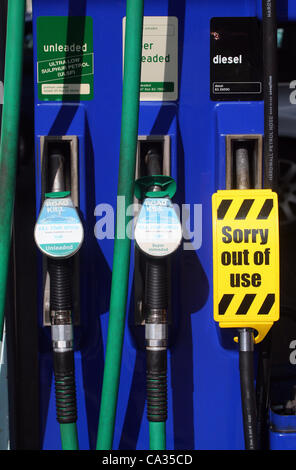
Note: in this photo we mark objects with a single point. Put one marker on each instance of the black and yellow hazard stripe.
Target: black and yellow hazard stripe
(263, 212)
(245, 305)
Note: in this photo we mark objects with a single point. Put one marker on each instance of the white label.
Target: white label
(58, 231)
(158, 230)
(65, 89)
(159, 63)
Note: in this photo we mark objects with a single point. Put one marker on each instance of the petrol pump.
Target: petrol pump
(157, 222)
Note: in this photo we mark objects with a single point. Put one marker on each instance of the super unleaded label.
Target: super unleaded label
(158, 231)
(159, 58)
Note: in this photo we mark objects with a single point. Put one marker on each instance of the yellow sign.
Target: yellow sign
(246, 259)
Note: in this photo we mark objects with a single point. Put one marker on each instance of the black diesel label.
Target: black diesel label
(236, 59)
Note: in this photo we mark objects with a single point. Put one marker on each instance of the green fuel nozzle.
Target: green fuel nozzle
(158, 234)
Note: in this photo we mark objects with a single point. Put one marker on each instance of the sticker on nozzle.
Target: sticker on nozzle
(158, 230)
(58, 231)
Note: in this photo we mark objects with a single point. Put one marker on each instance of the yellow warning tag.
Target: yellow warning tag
(246, 259)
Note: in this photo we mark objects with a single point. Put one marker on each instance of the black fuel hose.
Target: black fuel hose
(270, 162)
(270, 93)
(156, 305)
(60, 271)
(248, 398)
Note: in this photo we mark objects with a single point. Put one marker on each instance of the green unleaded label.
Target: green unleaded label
(65, 58)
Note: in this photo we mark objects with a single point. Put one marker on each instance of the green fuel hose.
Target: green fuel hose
(69, 438)
(122, 243)
(9, 135)
(157, 435)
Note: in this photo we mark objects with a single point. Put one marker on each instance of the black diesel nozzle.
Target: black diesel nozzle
(246, 335)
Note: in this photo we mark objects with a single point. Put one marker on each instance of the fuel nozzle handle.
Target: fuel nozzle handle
(246, 335)
(56, 173)
(156, 318)
(60, 273)
(153, 162)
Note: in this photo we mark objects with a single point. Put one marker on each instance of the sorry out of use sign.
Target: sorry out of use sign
(246, 259)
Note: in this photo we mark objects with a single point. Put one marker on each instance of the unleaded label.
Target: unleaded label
(65, 58)
(58, 231)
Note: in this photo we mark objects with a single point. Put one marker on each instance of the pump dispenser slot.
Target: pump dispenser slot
(244, 157)
(68, 146)
(51, 149)
(162, 144)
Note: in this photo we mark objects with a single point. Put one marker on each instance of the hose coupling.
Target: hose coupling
(61, 317)
(156, 315)
(246, 340)
(156, 336)
(62, 338)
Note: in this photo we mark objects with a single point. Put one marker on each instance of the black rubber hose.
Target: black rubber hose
(270, 92)
(60, 272)
(156, 303)
(248, 399)
(63, 361)
(270, 162)
(156, 284)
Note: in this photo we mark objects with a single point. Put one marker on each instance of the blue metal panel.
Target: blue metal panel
(282, 435)
(204, 391)
(282, 441)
